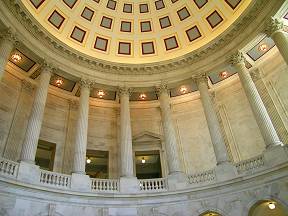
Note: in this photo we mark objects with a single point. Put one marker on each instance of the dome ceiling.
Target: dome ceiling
(136, 32)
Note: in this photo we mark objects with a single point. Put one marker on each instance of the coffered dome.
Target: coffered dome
(136, 32)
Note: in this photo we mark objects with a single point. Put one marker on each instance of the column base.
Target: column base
(80, 182)
(28, 173)
(276, 155)
(225, 171)
(129, 185)
(177, 181)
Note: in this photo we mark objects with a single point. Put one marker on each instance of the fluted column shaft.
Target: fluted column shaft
(7, 40)
(212, 121)
(79, 161)
(125, 135)
(174, 164)
(262, 118)
(274, 29)
(29, 147)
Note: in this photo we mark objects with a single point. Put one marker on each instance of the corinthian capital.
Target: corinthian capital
(8, 34)
(273, 25)
(86, 83)
(202, 78)
(124, 90)
(162, 88)
(236, 58)
(47, 66)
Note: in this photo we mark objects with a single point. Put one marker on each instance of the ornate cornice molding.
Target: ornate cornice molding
(38, 31)
(273, 25)
(9, 35)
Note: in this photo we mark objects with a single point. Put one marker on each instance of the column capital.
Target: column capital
(9, 34)
(201, 78)
(162, 88)
(124, 90)
(85, 83)
(47, 67)
(273, 25)
(236, 58)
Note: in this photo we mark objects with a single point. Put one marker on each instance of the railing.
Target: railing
(153, 185)
(8, 168)
(108, 185)
(250, 164)
(55, 179)
(202, 177)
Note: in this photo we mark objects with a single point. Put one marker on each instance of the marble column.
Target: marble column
(262, 118)
(79, 161)
(7, 42)
(125, 134)
(212, 121)
(274, 29)
(29, 147)
(174, 163)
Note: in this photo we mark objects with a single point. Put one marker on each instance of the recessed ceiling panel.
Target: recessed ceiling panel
(143, 8)
(125, 26)
(111, 4)
(37, 3)
(261, 48)
(70, 3)
(193, 33)
(148, 48)
(124, 48)
(164, 22)
(127, 8)
(25, 63)
(106, 22)
(200, 3)
(171, 43)
(214, 19)
(233, 3)
(56, 19)
(183, 13)
(101, 43)
(145, 26)
(78, 34)
(159, 4)
(62, 83)
(87, 13)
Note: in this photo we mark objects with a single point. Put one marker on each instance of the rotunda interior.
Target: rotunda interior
(143, 108)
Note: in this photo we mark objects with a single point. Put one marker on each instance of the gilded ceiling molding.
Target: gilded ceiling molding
(273, 25)
(22, 14)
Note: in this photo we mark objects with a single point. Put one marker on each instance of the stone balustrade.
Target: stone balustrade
(153, 185)
(105, 185)
(8, 168)
(202, 177)
(250, 164)
(55, 179)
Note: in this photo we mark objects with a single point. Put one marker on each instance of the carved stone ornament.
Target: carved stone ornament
(273, 25)
(8, 35)
(236, 58)
(124, 90)
(162, 88)
(86, 83)
(47, 67)
(202, 78)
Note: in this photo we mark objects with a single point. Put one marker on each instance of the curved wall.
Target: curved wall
(241, 132)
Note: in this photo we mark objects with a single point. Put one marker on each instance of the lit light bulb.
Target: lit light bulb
(59, 82)
(101, 93)
(142, 96)
(271, 206)
(16, 57)
(88, 161)
(263, 47)
(143, 160)
(183, 90)
(224, 74)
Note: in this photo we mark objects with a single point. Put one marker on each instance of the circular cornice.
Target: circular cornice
(202, 60)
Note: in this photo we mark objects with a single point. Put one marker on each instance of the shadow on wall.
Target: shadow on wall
(268, 208)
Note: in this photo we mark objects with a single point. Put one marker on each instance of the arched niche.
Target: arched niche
(268, 208)
(148, 141)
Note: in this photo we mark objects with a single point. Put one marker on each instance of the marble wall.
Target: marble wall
(243, 138)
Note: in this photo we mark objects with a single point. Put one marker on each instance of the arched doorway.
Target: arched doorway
(268, 208)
